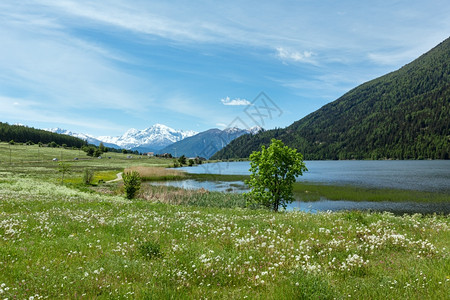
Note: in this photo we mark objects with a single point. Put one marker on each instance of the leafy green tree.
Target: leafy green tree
(132, 183)
(89, 151)
(182, 160)
(273, 171)
(102, 148)
(97, 152)
(191, 162)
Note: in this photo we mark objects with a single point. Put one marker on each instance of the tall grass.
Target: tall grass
(150, 173)
(201, 197)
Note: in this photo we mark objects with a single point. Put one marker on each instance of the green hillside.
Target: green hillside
(24, 134)
(402, 115)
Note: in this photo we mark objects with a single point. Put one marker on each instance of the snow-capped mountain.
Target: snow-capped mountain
(253, 130)
(87, 137)
(153, 138)
(160, 138)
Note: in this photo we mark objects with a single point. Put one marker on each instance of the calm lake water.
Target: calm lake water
(412, 175)
(422, 175)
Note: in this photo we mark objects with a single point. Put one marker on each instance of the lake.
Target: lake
(426, 175)
(422, 175)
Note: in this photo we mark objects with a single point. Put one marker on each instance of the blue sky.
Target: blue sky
(102, 67)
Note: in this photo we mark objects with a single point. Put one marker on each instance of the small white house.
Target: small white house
(150, 154)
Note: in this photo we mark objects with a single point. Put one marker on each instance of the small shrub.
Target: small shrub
(132, 184)
(88, 175)
(150, 249)
(63, 168)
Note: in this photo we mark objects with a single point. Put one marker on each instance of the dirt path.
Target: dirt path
(119, 177)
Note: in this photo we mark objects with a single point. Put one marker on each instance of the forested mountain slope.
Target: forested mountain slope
(23, 134)
(401, 115)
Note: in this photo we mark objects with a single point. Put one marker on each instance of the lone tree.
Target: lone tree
(273, 171)
(182, 160)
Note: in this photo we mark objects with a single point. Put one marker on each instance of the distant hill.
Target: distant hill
(402, 115)
(23, 134)
(205, 144)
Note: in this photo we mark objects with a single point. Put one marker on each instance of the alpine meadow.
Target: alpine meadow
(225, 150)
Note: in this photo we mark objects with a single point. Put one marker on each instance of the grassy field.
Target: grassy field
(69, 241)
(38, 161)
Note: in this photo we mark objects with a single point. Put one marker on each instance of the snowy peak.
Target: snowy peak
(255, 129)
(90, 139)
(154, 138)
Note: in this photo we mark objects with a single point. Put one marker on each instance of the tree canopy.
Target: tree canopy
(273, 172)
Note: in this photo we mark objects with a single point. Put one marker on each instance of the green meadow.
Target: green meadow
(73, 240)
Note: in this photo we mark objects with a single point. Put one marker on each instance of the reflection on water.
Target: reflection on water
(394, 207)
(322, 205)
(219, 186)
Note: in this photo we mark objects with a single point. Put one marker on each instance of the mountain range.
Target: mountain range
(163, 139)
(402, 115)
(150, 139)
(205, 144)
(86, 137)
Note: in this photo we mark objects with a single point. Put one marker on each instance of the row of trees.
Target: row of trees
(183, 160)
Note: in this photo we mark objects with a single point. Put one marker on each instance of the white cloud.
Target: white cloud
(287, 55)
(234, 102)
(394, 57)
